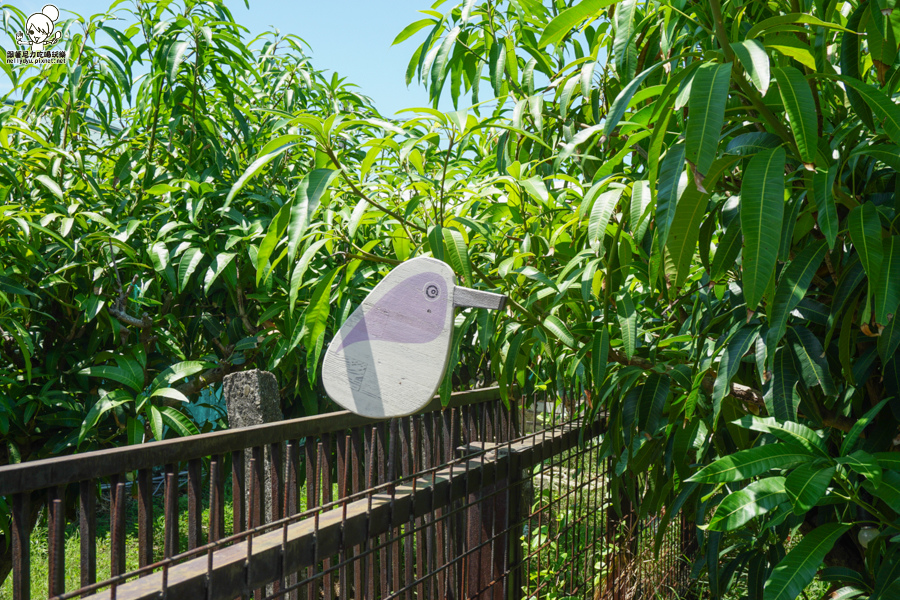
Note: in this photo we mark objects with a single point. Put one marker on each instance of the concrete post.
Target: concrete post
(252, 399)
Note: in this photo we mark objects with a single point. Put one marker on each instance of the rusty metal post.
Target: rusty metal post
(688, 539)
(486, 523)
(622, 534)
(21, 545)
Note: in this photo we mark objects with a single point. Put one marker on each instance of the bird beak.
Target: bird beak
(467, 297)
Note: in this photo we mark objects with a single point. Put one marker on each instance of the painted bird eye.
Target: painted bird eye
(432, 291)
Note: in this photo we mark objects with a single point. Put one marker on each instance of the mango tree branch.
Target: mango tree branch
(365, 196)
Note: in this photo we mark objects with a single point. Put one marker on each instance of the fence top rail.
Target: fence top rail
(61, 470)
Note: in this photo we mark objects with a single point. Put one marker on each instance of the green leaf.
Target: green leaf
(254, 168)
(745, 504)
(306, 201)
(555, 326)
(599, 354)
(792, 18)
(601, 212)
(274, 234)
(411, 29)
(170, 393)
(220, 261)
(652, 402)
(669, 188)
(737, 347)
(813, 365)
(798, 568)
(51, 186)
(10, 286)
(178, 371)
(852, 436)
(823, 185)
(442, 61)
(801, 110)
(865, 464)
(762, 212)
(620, 104)
(780, 395)
(888, 489)
(685, 231)
(159, 256)
(457, 253)
(512, 355)
(154, 417)
(135, 432)
(565, 21)
(865, 232)
(627, 317)
(727, 250)
(537, 189)
(497, 65)
(887, 286)
(178, 421)
(624, 44)
(709, 93)
(850, 63)
(300, 270)
(745, 464)
(806, 485)
(755, 61)
(788, 432)
(188, 264)
(106, 403)
(791, 46)
(174, 58)
(129, 373)
(640, 202)
(882, 106)
(795, 280)
(316, 318)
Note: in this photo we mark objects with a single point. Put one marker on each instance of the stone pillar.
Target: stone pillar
(252, 399)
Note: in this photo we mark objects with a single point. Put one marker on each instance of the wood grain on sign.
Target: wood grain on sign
(389, 357)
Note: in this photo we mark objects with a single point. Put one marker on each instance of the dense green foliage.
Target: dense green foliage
(690, 204)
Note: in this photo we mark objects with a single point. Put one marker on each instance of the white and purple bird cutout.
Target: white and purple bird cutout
(388, 359)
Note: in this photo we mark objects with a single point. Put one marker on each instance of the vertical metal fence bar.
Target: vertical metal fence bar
(256, 513)
(393, 469)
(312, 500)
(21, 546)
(145, 517)
(238, 492)
(56, 542)
(370, 566)
(195, 509)
(117, 526)
(276, 494)
(357, 464)
(216, 498)
(326, 464)
(381, 472)
(292, 499)
(87, 529)
(343, 472)
(430, 448)
(171, 511)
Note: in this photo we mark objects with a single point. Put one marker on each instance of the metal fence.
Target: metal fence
(470, 501)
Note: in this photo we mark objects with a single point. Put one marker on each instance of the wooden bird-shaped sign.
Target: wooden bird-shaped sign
(389, 357)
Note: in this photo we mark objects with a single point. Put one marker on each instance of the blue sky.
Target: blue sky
(352, 37)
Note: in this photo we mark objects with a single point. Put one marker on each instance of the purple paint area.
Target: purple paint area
(412, 312)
